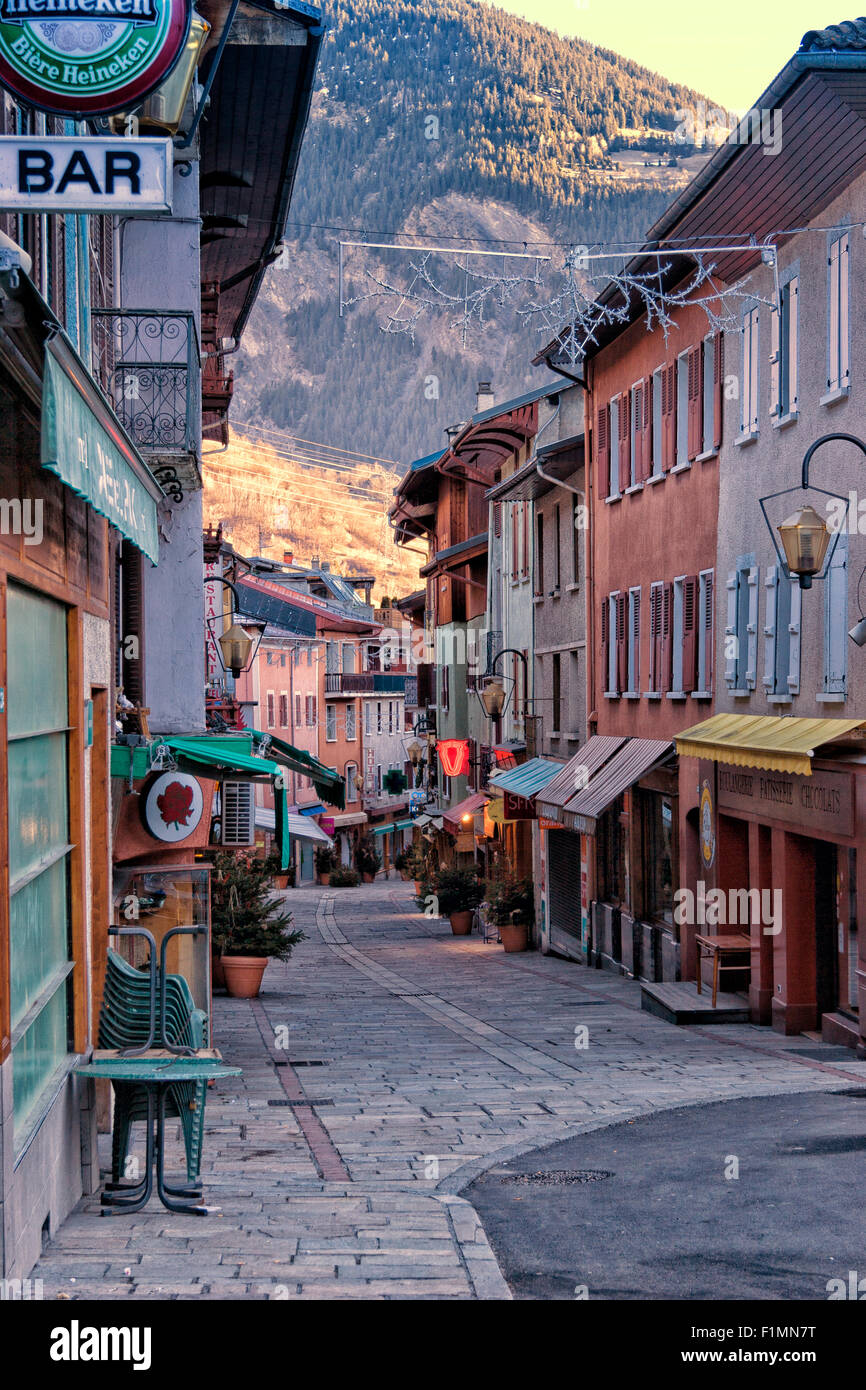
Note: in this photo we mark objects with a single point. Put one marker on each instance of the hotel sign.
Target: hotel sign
(89, 57)
(822, 803)
(105, 174)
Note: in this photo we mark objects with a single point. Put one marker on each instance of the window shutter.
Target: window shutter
(667, 652)
(794, 639)
(707, 630)
(695, 401)
(624, 441)
(844, 374)
(718, 388)
(622, 642)
(655, 652)
(752, 630)
(836, 619)
(771, 584)
(634, 665)
(602, 449)
(669, 416)
(731, 631)
(776, 355)
(132, 616)
(497, 518)
(605, 642)
(647, 428)
(637, 409)
(793, 343)
(690, 633)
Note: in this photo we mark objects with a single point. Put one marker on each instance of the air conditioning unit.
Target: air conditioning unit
(238, 814)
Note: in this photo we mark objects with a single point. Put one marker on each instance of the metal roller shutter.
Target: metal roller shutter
(563, 850)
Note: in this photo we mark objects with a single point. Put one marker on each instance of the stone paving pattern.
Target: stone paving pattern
(415, 1060)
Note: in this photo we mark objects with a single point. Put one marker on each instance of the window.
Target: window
(284, 711)
(749, 384)
(633, 682)
(708, 404)
(524, 507)
(351, 775)
(705, 632)
(741, 629)
(332, 658)
(515, 557)
(271, 710)
(368, 718)
(577, 523)
(660, 854)
(684, 633)
(390, 716)
(378, 779)
(312, 711)
(635, 433)
(613, 644)
(837, 315)
(657, 429)
(378, 716)
(298, 711)
(836, 619)
(270, 658)
(351, 721)
(282, 658)
(783, 351)
(657, 591)
(557, 693)
(38, 847)
(348, 658)
(331, 723)
(613, 435)
(444, 687)
(683, 407)
(781, 633)
(539, 554)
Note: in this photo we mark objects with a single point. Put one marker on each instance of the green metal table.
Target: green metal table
(156, 1069)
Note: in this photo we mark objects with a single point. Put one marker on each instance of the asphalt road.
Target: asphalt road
(643, 1210)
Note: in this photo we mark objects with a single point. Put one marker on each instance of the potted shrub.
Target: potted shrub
(511, 908)
(416, 865)
(249, 925)
(459, 892)
(282, 878)
(344, 877)
(367, 859)
(401, 864)
(326, 860)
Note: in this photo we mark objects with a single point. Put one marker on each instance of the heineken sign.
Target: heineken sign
(89, 57)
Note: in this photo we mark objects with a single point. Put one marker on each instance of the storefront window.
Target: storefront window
(659, 855)
(612, 849)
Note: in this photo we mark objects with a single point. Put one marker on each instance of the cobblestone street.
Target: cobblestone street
(384, 1068)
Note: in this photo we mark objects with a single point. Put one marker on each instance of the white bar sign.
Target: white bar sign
(91, 173)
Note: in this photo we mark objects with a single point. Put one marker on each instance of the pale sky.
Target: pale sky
(729, 52)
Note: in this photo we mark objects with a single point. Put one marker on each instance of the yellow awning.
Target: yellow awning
(762, 740)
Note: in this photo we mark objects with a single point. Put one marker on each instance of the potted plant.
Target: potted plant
(344, 877)
(459, 892)
(367, 860)
(249, 926)
(401, 864)
(415, 863)
(282, 878)
(326, 860)
(511, 908)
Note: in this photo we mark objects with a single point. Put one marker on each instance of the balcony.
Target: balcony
(148, 364)
(364, 683)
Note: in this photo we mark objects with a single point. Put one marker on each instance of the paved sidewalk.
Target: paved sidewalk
(385, 1066)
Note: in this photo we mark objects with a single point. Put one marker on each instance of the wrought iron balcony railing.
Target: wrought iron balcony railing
(148, 363)
(364, 683)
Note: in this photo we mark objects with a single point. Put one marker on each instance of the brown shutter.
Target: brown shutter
(666, 665)
(497, 518)
(602, 450)
(669, 416)
(695, 401)
(621, 642)
(718, 388)
(708, 631)
(690, 631)
(605, 642)
(624, 441)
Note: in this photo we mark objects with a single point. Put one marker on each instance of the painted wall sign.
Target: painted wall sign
(708, 827)
(172, 806)
(89, 57)
(66, 173)
(822, 803)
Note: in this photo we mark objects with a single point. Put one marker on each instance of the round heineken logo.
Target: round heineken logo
(89, 57)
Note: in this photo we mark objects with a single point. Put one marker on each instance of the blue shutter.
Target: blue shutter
(836, 619)
(771, 584)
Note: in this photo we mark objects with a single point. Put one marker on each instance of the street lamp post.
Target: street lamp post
(805, 534)
(492, 694)
(236, 647)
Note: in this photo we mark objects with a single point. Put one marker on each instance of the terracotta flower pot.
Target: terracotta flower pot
(217, 974)
(244, 975)
(461, 922)
(514, 936)
(324, 879)
(417, 886)
(368, 878)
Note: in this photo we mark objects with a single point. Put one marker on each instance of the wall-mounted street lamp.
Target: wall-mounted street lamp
(805, 534)
(237, 646)
(493, 695)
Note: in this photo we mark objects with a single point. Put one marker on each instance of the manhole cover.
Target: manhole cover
(564, 1177)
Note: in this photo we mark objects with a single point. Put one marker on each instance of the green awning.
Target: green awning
(396, 825)
(204, 752)
(329, 784)
(85, 445)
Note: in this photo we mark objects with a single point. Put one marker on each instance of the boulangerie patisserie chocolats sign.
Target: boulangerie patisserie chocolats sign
(89, 57)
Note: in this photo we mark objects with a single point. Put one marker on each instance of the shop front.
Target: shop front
(781, 860)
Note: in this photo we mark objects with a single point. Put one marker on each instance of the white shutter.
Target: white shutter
(844, 374)
(771, 585)
(752, 630)
(793, 344)
(775, 357)
(238, 814)
(836, 619)
(731, 632)
(794, 640)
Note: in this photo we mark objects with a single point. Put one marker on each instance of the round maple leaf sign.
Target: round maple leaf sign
(172, 806)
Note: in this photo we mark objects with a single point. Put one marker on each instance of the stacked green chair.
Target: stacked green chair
(124, 1022)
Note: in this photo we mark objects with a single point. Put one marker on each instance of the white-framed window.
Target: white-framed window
(657, 447)
(750, 333)
(351, 721)
(708, 442)
(706, 632)
(272, 712)
(784, 346)
(741, 628)
(683, 408)
(613, 427)
(835, 681)
(331, 723)
(351, 776)
(634, 641)
(838, 373)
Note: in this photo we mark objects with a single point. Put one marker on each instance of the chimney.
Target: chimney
(483, 397)
(288, 557)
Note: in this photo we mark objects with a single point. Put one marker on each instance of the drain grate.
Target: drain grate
(825, 1053)
(305, 1101)
(306, 1062)
(562, 1177)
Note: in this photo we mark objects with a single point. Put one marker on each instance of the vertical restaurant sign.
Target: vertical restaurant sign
(89, 57)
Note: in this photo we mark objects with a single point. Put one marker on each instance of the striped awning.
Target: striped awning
(779, 744)
(470, 804)
(575, 774)
(631, 762)
(299, 827)
(528, 778)
(392, 825)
